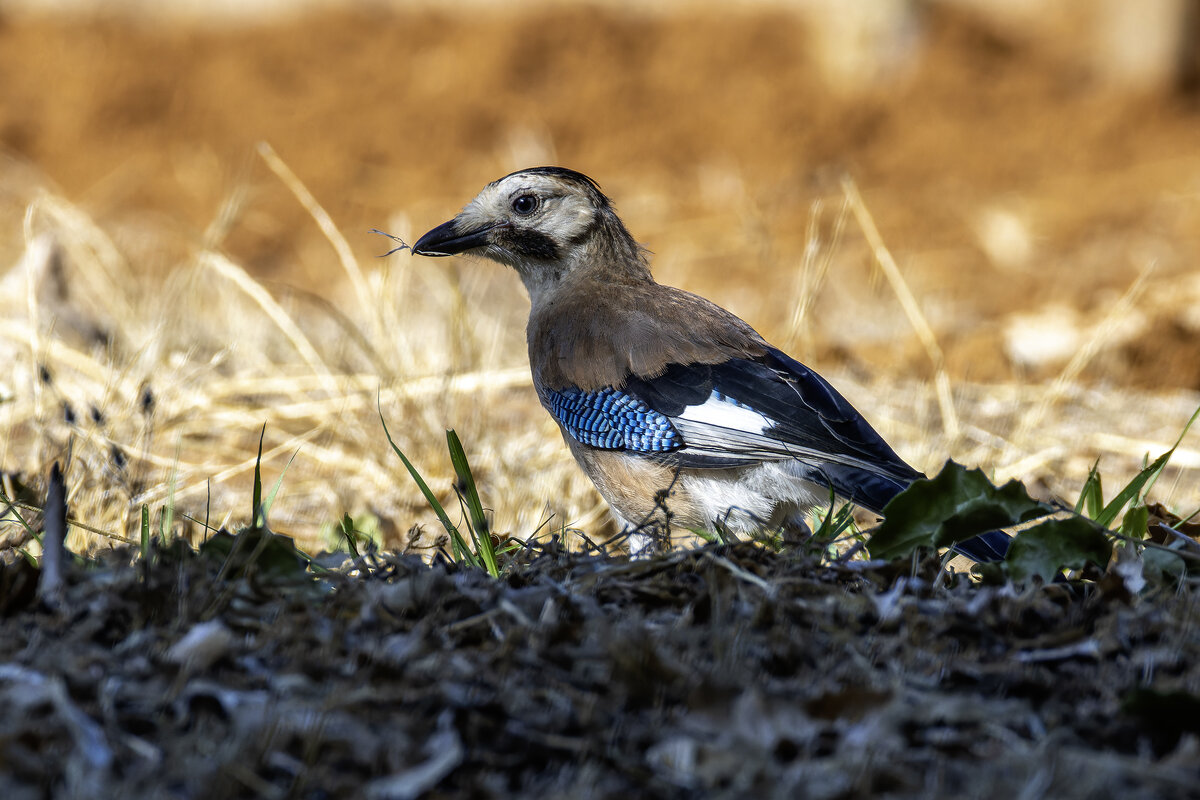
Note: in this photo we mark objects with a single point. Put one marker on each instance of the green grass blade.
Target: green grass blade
(467, 552)
(346, 527)
(145, 541)
(460, 549)
(822, 531)
(837, 520)
(1178, 441)
(266, 505)
(843, 521)
(167, 521)
(255, 520)
(1136, 521)
(1132, 490)
(11, 508)
(1143, 480)
(1091, 497)
(480, 531)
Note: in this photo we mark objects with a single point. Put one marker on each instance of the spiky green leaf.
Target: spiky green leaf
(957, 505)
(1046, 549)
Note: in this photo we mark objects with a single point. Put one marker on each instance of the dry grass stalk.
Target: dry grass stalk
(912, 310)
(1093, 346)
(89, 343)
(814, 269)
(325, 223)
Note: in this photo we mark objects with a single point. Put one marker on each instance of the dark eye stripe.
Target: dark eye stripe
(532, 244)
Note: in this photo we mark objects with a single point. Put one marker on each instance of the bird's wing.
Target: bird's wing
(749, 411)
(739, 412)
(611, 419)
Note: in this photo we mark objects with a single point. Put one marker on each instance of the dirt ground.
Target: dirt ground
(1020, 192)
(720, 672)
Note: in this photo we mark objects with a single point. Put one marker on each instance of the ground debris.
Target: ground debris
(722, 671)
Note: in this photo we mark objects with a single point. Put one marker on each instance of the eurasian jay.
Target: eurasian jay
(678, 410)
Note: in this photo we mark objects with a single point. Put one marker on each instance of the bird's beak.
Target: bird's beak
(448, 239)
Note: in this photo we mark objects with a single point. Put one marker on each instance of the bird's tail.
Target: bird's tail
(873, 491)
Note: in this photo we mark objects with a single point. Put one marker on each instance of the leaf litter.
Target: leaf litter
(720, 671)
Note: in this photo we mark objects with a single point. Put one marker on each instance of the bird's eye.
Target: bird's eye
(525, 205)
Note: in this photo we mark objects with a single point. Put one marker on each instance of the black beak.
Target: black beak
(447, 239)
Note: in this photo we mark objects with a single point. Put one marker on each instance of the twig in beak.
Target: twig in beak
(403, 244)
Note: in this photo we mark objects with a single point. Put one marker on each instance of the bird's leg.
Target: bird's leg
(795, 530)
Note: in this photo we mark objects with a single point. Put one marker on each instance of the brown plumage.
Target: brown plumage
(677, 409)
(597, 337)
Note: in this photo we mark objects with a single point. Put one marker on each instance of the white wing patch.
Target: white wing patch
(721, 427)
(721, 412)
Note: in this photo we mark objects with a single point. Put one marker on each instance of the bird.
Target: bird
(679, 412)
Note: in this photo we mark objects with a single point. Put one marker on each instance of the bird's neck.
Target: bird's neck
(606, 260)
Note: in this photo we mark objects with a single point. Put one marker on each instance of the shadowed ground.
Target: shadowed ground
(720, 672)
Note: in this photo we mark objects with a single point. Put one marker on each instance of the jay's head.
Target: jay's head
(548, 223)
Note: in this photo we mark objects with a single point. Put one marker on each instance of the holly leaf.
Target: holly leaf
(1046, 549)
(957, 505)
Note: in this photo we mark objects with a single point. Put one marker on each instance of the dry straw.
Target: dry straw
(154, 391)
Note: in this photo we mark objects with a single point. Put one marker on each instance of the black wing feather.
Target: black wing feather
(676, 389)
(804, 414)
(811, 422)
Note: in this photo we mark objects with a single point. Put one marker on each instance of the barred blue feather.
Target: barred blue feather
(612, 420)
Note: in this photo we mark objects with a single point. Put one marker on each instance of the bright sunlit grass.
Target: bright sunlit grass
(152, 393)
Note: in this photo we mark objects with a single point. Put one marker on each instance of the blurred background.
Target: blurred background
(1033, 168)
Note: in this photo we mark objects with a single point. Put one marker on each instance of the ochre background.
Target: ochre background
(713, 131)
(1022, 171)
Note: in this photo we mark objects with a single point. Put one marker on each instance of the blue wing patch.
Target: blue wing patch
(612, 420)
